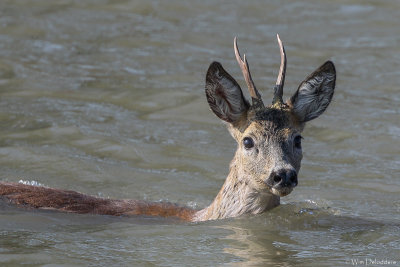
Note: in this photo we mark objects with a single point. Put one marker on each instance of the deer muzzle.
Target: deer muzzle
(281, 182)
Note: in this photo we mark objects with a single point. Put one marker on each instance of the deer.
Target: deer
(264, 168)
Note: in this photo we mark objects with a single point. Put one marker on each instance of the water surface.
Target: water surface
(107, 98)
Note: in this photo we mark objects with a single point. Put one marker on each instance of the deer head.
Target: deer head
(269, 149)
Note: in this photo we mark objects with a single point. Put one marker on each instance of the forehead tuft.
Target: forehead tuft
(273, 121)
(274, 118)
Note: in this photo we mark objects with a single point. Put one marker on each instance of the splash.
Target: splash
(34, 183)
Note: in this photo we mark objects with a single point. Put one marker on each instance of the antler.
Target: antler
(278, 89)
(244, 66)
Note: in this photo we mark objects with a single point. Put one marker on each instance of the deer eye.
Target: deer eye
(248, 142)
(297, 141)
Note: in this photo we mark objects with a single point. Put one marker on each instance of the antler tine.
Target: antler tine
(278, 94)
(244, 66)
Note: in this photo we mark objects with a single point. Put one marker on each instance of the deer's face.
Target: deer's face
(269, 149)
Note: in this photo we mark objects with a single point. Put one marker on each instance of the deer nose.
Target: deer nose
(283, 178)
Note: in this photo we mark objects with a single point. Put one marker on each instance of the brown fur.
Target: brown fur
(41, 197)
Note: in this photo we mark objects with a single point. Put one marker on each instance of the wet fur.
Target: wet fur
(41, 197)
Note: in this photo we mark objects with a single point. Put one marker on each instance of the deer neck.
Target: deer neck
(235, 198)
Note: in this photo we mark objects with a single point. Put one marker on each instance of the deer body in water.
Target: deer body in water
(265, 165)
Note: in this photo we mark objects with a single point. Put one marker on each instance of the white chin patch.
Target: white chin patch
(283, 192)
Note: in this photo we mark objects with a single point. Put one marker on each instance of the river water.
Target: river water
(107, 98)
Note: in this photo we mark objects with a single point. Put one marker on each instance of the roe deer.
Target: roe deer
(266, 163)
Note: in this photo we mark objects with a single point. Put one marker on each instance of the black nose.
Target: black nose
(283, 178)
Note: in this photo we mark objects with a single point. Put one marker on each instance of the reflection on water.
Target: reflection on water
(107, 98)
(312, 237)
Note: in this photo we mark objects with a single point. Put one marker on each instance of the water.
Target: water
(106, 98)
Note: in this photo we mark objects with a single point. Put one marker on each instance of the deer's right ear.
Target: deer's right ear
(224, 95)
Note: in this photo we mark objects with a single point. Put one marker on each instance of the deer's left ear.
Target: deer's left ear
(314, 93)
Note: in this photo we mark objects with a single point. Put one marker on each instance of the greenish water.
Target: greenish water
(107, 98)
